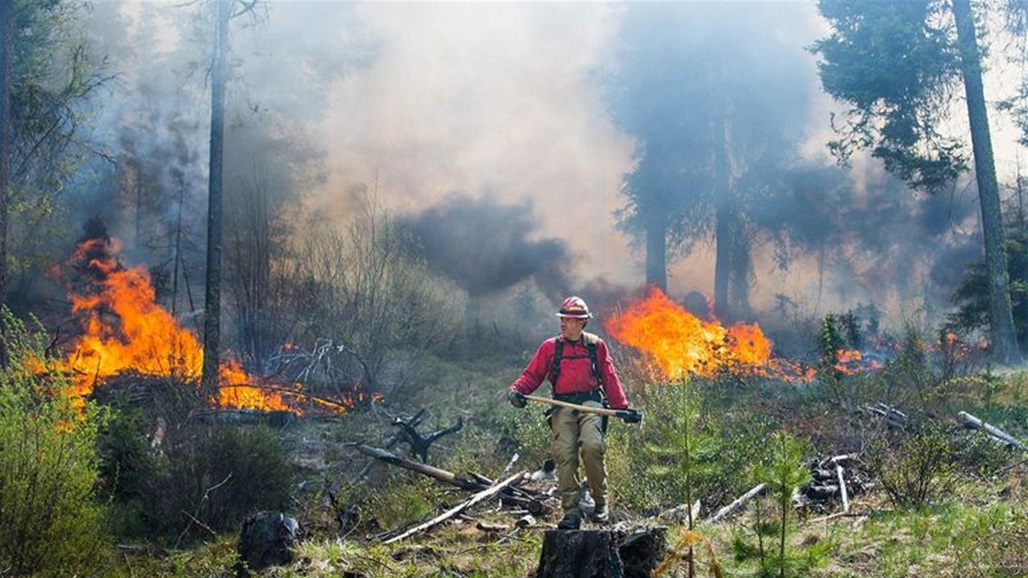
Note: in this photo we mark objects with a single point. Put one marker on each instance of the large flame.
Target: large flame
(125, 329)
(679, 344)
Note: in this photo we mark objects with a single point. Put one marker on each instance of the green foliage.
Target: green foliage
(909, 374)
(411, 498)
(999, 546)
(128, 465)
(683, 451)
(971, 298)
(526, 432)
(784, 472)
(915, 469)
(200, 477)
(830, 342)
(895, 63)
(645, 463)
(53, 78)
(50, 521)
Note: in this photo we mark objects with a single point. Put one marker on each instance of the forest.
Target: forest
(269, 267)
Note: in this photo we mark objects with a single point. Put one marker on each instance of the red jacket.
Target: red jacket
(576, 374)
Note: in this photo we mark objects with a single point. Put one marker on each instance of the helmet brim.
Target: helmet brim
(575, 315)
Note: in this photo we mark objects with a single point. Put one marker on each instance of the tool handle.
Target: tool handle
(630, 414)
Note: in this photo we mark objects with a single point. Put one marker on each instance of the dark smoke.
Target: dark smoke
(486, 247)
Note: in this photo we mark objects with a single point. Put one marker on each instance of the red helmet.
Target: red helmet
(574, 307)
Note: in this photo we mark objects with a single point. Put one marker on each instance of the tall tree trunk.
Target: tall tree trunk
(6, 135)
(656, 248)
(740, 269)
(1002, 334)
(722, 216)
(212, 303)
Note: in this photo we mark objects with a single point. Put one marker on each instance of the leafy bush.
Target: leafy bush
(127, 465)
(50, 522)
(915, 469)
(203, 477)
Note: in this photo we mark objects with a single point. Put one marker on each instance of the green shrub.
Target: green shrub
(209, 477)
(721, 442)
(914, 468)
(50, 522)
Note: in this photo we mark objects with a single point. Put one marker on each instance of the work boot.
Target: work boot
(600, 513)
(570, 522)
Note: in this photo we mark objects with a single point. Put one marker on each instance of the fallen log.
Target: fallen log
(737, 503)
(842, 488)
(972, 422)
(437, 473)
(487, 493)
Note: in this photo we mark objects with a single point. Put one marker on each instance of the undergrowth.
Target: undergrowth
(940, 499)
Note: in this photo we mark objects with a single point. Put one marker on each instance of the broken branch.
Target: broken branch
(439, 474)
(487, 493)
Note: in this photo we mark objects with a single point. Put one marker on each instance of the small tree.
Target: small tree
(784, 473)
(685, 452)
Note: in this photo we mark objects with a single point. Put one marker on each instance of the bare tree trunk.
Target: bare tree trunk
(212, 303)
(656, 248)
(740, 267)
(1001, 326)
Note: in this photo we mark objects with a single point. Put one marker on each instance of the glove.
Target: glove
(630, 416)
(516, 398)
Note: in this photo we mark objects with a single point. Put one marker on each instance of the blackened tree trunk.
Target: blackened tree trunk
(656, 248)
(1001, 327)
(212, 303)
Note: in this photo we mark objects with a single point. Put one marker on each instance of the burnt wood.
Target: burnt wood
(602, 553)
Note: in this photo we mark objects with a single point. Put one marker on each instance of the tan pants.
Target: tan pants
(577, 434)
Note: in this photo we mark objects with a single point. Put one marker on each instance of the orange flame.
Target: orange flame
(125, 329)
(853, 362)
(680, 344)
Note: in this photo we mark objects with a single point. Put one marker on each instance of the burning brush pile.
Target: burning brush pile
(125, 336)
(677, 344)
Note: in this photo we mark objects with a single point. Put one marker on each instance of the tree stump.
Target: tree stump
(265, 541)
(602, 553)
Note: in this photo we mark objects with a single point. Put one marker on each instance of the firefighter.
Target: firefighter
(580, 371)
